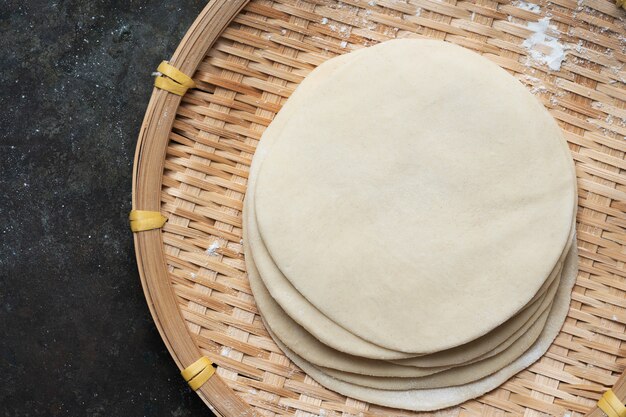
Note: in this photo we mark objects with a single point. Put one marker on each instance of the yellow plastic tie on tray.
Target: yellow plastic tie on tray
(198, 372)
(611, 405)
(141, 220)
(172, 79)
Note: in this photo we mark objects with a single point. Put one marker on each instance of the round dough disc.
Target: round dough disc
(442, 189)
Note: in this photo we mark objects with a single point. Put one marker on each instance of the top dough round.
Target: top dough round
(421, 204)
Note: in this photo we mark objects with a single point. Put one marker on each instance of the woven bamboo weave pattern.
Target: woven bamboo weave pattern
(257, 63)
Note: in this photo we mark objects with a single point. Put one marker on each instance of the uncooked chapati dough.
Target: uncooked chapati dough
(437, 398)
(310, 330)
(464, 204)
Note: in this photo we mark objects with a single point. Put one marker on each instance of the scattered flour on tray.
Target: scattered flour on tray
(531, 7)
(212, 250)
(539, 39)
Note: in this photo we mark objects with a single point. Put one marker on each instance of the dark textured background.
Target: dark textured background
(76, 337)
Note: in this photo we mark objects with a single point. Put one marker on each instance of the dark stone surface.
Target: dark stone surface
(76, 337)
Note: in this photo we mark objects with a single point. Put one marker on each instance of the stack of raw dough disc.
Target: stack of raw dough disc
(409, 225)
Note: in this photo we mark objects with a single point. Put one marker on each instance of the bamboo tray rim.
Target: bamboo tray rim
(151, 146)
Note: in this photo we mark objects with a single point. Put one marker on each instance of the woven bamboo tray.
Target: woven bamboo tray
(194, 152)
